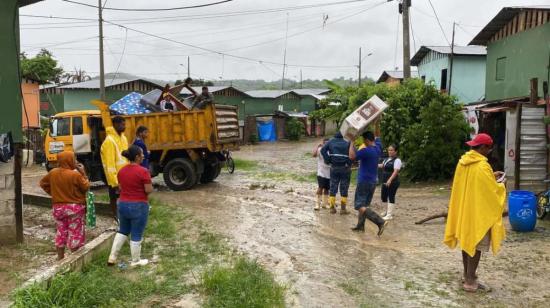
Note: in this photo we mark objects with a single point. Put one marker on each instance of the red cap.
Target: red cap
(480, 139)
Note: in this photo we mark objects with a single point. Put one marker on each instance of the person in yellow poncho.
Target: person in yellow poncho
(477, 201)
(111, 157)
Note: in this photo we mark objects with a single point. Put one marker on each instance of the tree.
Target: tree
(43, 67)
(78, 75)
(427, 125)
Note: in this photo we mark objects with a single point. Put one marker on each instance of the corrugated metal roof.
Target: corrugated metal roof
(472, 50)
(394, 74)
(500, 20)
(109, 82)
(311, 91)
(269, 93)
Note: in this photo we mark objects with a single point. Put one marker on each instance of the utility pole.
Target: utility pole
(284, 55)
(301, 81)
(359, 66)
(188, 67)
(101, 61)
(452, 57)
(404, 9)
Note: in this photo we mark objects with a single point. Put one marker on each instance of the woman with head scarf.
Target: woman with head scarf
(67, 184)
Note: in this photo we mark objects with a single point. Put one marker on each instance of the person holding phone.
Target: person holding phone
(390, 179)
(67, 184)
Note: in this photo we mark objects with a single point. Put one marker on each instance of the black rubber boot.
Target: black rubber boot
(376, 219)
(360, 223)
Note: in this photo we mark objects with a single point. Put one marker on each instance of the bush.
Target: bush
(253, 139)
(294, 129)
(427, 125)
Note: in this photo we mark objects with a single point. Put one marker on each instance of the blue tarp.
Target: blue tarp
(129, 104)
(266, 131)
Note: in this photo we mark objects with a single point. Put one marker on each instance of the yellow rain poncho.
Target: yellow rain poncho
(111, 155)
(476, 205)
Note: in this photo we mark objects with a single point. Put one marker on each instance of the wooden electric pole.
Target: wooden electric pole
(301, 80)
(404, 5)
(101, 60)
(188, 67)
(452, 58)
(359, 80)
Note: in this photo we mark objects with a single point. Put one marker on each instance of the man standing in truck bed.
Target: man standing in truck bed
(111, 157)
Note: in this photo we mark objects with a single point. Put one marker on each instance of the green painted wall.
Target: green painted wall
(10, 86)
(78, 99)
(527, 56)
(468, 82)
(308, 104)
(57, 100)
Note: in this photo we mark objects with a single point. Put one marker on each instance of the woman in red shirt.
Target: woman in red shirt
(133, 207)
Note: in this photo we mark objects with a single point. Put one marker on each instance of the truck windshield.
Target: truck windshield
(60, 127)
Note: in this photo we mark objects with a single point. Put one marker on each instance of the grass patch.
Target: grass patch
(350, 288)
(186, 252)
(243, 284)
(245, 165)
(100, 197)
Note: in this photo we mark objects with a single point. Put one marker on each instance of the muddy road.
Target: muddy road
(267, 212)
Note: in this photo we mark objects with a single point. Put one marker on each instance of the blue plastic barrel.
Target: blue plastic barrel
(522, 208)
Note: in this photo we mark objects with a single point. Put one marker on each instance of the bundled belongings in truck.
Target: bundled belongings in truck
(129, 104)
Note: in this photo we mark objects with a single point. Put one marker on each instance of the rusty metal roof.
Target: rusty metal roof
(500, 20)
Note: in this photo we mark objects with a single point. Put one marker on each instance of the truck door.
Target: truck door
(60, 137)
(81, 140)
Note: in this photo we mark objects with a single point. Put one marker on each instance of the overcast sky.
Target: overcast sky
(331, 47)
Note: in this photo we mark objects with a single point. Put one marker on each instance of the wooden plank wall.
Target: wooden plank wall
(525, 20)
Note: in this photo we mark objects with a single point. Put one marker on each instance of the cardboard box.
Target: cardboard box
(356, 123)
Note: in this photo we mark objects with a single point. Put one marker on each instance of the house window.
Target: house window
(443, 79)
(280, 108)
(501, 69)
(423, 77)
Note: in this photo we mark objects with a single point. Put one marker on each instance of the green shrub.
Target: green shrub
(253, 139)
(294, 129)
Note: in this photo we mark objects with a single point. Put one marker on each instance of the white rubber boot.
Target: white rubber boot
(119, 240)
(135, 250)
(389, 213)
(317, 203)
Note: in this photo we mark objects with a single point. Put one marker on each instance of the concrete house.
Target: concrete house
(468, 73)
(518, 62)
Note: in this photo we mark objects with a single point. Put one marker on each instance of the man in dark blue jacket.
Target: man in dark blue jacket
(336, 153)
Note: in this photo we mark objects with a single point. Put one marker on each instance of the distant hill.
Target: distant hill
(247, 85)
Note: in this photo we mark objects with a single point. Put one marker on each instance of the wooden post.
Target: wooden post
(534, 94)
(517, 160)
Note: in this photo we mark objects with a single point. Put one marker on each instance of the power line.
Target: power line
(121, 56)
(439, 23)
(149, 10)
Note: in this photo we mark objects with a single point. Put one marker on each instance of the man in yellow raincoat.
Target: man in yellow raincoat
(111, 157)
(477, 201)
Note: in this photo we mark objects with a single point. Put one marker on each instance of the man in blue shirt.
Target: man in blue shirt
(336, 153)
(368, 156)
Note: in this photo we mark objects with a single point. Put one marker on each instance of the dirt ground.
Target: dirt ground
(267, 212)
(20, 262)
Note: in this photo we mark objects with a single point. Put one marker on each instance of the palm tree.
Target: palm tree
(78, 75)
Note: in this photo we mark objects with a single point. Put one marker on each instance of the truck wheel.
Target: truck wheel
(180, 174)
(211, 172)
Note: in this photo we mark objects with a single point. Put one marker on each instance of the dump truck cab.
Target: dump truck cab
(186, 146)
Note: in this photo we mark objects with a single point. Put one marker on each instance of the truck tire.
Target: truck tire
(180, 174)
(211, 172)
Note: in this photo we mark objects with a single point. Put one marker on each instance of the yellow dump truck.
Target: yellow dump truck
(186, 146)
